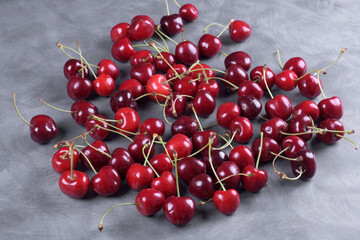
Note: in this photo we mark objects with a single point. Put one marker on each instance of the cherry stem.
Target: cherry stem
(301, 133)
(196, 117)
(100, 227)
(212, 166)
(166, 36)
(146, 161)
(322, 130)
(87, 160)
(165, 49)
(341, 136)
(17, 110)
(236, 174)
(151, 145)
(121, 131)
(58, 109)
(177, 3)
(321, 89)
(81, 59)
(176, 173)
(295, 178)
(87, 143)
(167, 7)
(261, 145)
(228, 82)
(166, 151)
(198, 151)
(211, 125)
(279, 59)
(200, 203)
(213, 69)
(162, 38)
(71, 161)
(226, 27)
(182, 34)
(164, 112)
(267, 87)
(113, 131)
(298, 159)
(282, 175)
(228, 142)
(262, 117)
(212, 24)
(223, 53)
(60, 144)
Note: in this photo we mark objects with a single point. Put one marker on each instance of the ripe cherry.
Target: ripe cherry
(163, 60)
(238, 58)
(79, 88)
(256, 75)
(139, 177)
(97, 133)
(218, 157)
(209, 45)
(269, 145)
(202, 186)
(141, 56)
(286, 80)
(121, 160)
(294, 144)
(181, 144)
(179, 210)
(250, 88)
(61, 159)
(227, 201)
(297, 65)
(227, 169)
(43, 129)
(250, 106)
(242, 128)
(204, 103)
(77, 187)
(73, 67)
(236, 75)
(152, 126)
(333, 125)
(185, 125)
(255, 180)
(242, 156)
(307, 107)
(301, 124)
(81, 110)
(166, 184)
(186, 86)
(133, 86)
(96, 157)
(187, 53)
(226, 113)
(190, 167)
(239, 31)
(141, 28)
(201, 139)
(106, 182)
(307, 166)
(140, 146)
(203, 71)
(142, 72)
(331, 108)
(176, 105)
(149, 201)
(309, 86)
(122, 49)
(272, 128)
(179, 69)
(189, 12)
(158, 84)
(211, 86)
(161, 163)
(171, 24)
(280, 106)
(107, 66)
(119, 31)
(128, 120)
(122, 99)
(104, 85)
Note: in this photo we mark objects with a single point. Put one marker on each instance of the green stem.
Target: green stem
(177, 3)
(87, 160)
(261, 145)
(167, 7)
(17, 110)
(279, 58)
(196, 117)
(264, 77)
(228, 142)
(226, 27)
(212, 166)
(58, 109)
(166, 36)
(341, 136)
(176, 174)
(212, 24)
(98, 150)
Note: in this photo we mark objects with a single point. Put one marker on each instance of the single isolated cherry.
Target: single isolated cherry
(97, 127)
(239, 31)
(235, 75)
(309, 86)
(307, 107)
(142, 72)
(81, 110)
(163, 60)
(104, 85)
(269, 149)
(188, 12)
(204, 103)
(250, 106)
(122, 99)
(209, 45)
(181, 144)
(161, 163)
(293, 144)
(280, 106)
(152, 126)
(242, 156)
(128, 120)
(227, 169)
(140, 146)
(226, 113)
(158, 84)
(250, 88)
(179, 210)
(97, 157)
(185, 125)
(242, 128)
(272, 128)
(256, 75)
(307, 166)
(202, 186)
(286, 80)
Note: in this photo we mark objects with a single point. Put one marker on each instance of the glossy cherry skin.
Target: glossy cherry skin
(202, 186)
(308, 164)
(239, 31)
(272, 128)
(81, 110)
(242, 156)
(79, 88)
(190, 167)
(236, 75)
(157, 84)
(166, 184)
(107, 66)
(185, 125)
(280, 106)
(226, 169)
(106, 182)
(297, 65)
(171, 24)
(176, 105)
(294, 145)
(218, 157)
(330, 137)
(238, 58)
(119, 31)
(187, 53)
(209, 45)
(142, 17)
(161, 163)
(122, 49)
(104, 85)
(256, 75)
(307, 107)
(181, 144)
(127, 119)
(250, 106)
(200, 139)
(43, 129)
(331, 108)
(201, 70)
(226, 113)
(227, 201)
(250, 88)
(309, 86)
(256, 181)
(142, 72)
(300, 124)
(72, 67)
(96, 132)
(179, 210)
(203, 103)
(186, 86)
(133, 86)
(139, 177)
(269, 145)
(141, 57)
(141, 143)
(163, 60)
(188, 12)
(76, 188)
(179, 68)
(141, 29)
(121, 160)
(211, 86)
(152, 126)
(61, 160)
(96, 158)
(122, 99)
(243, 128)
(286, 80)
(149, 201)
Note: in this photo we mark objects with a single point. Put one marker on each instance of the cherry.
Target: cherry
(189, 12)
(211, 86)
(202, 186)
(106, 182)
(158, 84)
(73, 67)
(152, 126)
(272, 128)
(185, 125)
(204, 103)
(242, 128)
(250, 88)
(128, 120)
(293, 144)
(61, 159)
(333, 125)
(190, 167)
(121, 160)
(141, 56)
(149, 201)
(142, 17)
(226, 113)
(166, 184)
(254, 180)
(142, 72)
(203, 71)
(140, 146)
(227, 169)
(133, 86)
(226, 201)
(122, 49)
(301, 124)
(187, 53)
(331, 108)
(280, 106)
(139, 177)
(79, 88)
(242, 156)
(307, 166)
(250, 106)
(269, 145)
(186, 86)
(307, 107)
(104, 85)
(163, 60)
(256, 75)
(239, 31)
(161, 163)
(217, 157)
(77, 187)
(238, 58)
(96, 157)
(286, 80)
(179, 143)
(201, 139)
(236, 75)
(43, 129)
(171, 24)
(119, 31)
(297, 65)
(309, 86)
(96, 132)
(107, 66)
(81, 110)
(209, 45)
(141, 28)
(122, 99)
(176, 105)
(179, 210)
(179, 68)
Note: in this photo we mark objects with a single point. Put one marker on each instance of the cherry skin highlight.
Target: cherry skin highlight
(238, 58)
(239, 31)
(297, 65)
(43, 129)
(227, 201)
(179, 210)
(189, 12)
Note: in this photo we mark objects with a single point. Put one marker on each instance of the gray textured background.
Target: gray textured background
(31, 204)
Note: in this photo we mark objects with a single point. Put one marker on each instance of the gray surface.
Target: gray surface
(31, 204)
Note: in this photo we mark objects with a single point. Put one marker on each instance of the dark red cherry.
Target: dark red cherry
(77, 187)
(250, 106)
(171, 24)
(179, 68)
(309, 86)
(256, 75)
(209, 45)
(61, 160)
(185, 125)
(96, 132)
(250, 88)
(187, 53)
(227, 201)
(127, 119)
(43, 129)
(239, 31)
(81, 110)
(308, 164)
(107, 66)
(104, 85)
(286, 80)
(96, 158)
(149, 201)
(121, 160)
(203, 103)
(201, 139)
(152, 126)
(166, 184)
(238, 58)
(122, 49)
(139, 147)
(186, 86)
(141, 29)
(236, 75)
(330, 137)
(139, 177)
(158, 84)
(176, 105)
(179, 210)
(269, 145)
(122, 99)
(119, 31)
(202, 186)
(202, 71)
(243, 128)
(211, 86)
(297, 65)
(294, 145)
(141, 56)
(242, 156)
(255, 180)
(161, 163)
(331, 108)
(218, 157)
(307, 107)
(280, 106)
(190, 167)
(163, 61)
(226, 113)
(181, 144)
(300, 124)
(188, 12)
(73, 67)
(106, 182)
(133, 86)
(272, 128)
(142, 72)
(79, 88)
(226, 169)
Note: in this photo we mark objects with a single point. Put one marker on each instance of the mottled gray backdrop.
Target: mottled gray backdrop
(31, 204)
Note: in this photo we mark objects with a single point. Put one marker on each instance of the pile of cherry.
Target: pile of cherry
(186, 89)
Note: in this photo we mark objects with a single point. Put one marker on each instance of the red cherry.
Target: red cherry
(190, 167)
(269, 145)
(161, 163)
(211, 86)
(122, 99)
(152, 126)
(142, 72)
(309, 86)
(136, 148)
(181, 144)
(141, 29)
(330, 137)
(209, 45)
(239, 31)
(203, 71)
(96, 158)
(104, 85)
(176, 105)
(331, 108)
(119, 31)
(307, 107)
(218, 157)
(186, 125)
(286, 80)
(280, 106)
(255, 181)
(149, 201)
(77, 187)
(127, 119)
(226, 113)
(79, 88)
(133, 86)
(250, 106)
(272, 128)
(157, 84)
(142, 17)
(297, 65)
(43, 129)
(227, 201)
(242, 156)
(179, 210)
(294, 145)
(187, 53)
(300, 124)
(61, 160)
(202, 186)
(189, 12)
(236, 75)
(201, 139)
(122, 49)
(106, 182)
(238, 58)
(81, 110)
(226, 169)
(250, 88)
(179, 68)
(171, 24)
(162, 61)
(166, 184)
(121, 160)
(203, 103)
(139, 177)
(73, 67)
(96, 132)
(107, 66)
(243, 128)
(256, 75)
(141, 56)
(308, 164)
(186, 86)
